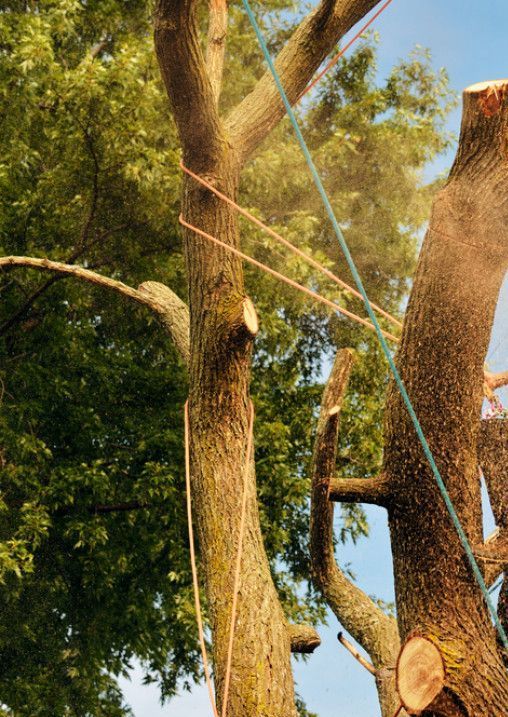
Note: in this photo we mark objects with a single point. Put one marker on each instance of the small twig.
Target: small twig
(350, 648)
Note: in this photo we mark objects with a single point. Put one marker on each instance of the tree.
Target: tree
(217, 149)
(220, 354)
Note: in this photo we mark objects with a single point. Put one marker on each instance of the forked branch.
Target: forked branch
(258, 113)
(187, 82)
(360, 616)
(169, 308)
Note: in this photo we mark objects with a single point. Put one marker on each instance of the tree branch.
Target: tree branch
(173, 314)
(353, 651)
(170, 309)
(258, 113)
(496, 380)
(187, 82)
(375, 491)
(29, 302)
(216, 46)
(304, 639)
(369, 626)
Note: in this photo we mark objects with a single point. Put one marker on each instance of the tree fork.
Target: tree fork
(444, 342)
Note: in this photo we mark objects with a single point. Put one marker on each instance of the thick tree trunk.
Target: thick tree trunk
(446, 335)
(221, 341)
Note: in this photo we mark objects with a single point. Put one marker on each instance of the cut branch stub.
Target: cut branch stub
(304, 639)
(420, 674)
(250, 317)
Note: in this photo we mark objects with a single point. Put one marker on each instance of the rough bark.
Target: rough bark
(357, 613)
(221, 342)
(445, 339)
(216, 47)
(375, 491)
(493, 458)
(304, 639)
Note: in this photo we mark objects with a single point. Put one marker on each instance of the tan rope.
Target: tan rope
(313, 294)
(309, 259)
(236, 580)
(195, 582)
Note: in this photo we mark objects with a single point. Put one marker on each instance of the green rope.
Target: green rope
(372, 316)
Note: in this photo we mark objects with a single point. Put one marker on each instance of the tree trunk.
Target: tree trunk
(445, 339)
(221, 339)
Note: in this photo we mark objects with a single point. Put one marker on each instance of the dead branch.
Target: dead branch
(370, 627)
(350, 648)
(261, 110)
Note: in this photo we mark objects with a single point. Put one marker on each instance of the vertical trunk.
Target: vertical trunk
(221, 342)
(445, 339)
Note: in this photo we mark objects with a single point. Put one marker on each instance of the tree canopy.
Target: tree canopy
(93, 554)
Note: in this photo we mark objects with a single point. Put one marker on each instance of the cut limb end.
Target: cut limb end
(490, 95)
(250, 317)
(489, 84)
(303, 638)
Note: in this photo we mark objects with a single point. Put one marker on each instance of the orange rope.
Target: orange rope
(195, 582)
(236, 583)
(346, 47)
(310, 260)
(313, 294)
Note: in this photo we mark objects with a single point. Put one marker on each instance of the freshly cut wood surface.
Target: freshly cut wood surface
(420, 674)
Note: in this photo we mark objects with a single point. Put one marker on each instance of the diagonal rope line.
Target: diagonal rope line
(346, 47)
(278, 237)
(195, 582)
(398, 380)
(313, 294)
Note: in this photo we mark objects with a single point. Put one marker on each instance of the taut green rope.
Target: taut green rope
(398, 380)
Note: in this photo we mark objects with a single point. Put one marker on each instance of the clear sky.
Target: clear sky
(469, 39)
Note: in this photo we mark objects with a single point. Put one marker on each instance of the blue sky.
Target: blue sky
(469, 39)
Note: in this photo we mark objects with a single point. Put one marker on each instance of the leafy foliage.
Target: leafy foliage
(93, 550)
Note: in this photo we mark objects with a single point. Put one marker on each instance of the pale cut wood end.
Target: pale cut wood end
(250, 316)
(420, 674)
(489, 84)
